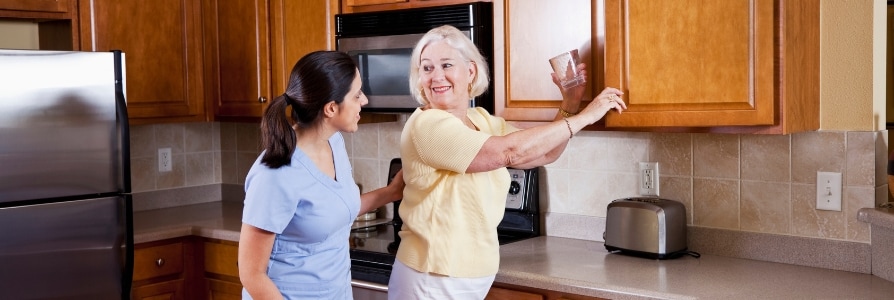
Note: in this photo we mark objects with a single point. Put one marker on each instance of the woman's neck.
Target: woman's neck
(313, 139)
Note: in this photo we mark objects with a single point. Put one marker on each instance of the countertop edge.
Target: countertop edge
(883, 217)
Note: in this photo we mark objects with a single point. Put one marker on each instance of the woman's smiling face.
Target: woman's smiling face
(445, 76)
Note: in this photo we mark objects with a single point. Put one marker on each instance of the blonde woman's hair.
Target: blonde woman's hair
(467, 50)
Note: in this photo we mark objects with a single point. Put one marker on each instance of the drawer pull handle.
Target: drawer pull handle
(160, 262)
(262, 100)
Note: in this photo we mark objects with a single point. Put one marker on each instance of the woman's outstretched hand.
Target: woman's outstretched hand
(608, 99)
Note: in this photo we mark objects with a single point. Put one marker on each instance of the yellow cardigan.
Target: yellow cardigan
(450, 217)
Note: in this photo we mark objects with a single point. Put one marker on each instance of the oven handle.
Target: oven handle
(369, 285)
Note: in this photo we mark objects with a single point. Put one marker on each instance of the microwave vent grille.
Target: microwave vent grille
(409, 21)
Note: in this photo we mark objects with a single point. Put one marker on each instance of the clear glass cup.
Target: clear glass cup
(565, 67)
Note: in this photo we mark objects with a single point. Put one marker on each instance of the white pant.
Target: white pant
(409, 284)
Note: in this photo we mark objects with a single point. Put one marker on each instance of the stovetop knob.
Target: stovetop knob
(514, 187)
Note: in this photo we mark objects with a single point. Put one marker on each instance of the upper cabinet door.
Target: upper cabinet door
(527, 35)
(252, 45)
(299, 27)
(237, 57)
(162, 42)
(751, 64)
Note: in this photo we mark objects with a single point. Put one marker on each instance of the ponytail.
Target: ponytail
(277, 136)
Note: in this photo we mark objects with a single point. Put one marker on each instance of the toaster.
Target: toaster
(646, 226)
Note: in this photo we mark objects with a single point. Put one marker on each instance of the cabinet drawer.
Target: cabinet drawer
(157, 261)
(173, 290)
(496, 293)
(220, 258)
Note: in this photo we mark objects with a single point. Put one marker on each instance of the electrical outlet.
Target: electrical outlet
(648, 179)
(164, 160)
(828, 191)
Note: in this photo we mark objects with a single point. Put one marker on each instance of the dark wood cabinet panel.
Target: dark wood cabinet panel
(166, 269)
(237, 55)
(162, 42)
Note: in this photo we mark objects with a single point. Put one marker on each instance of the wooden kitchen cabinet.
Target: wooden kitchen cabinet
(531, 33)
(497, 293)
(57, 21)
(502, 291)
(355, 6)
(222, 270)
(237, 58)
(164, 270)
(753, 65)
(728, 66)
(252, 46)
(162, 42)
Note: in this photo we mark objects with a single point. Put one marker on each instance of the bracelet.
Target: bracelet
(570, 133)
(565, 113)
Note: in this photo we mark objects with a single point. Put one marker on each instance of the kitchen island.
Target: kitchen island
(583, 267)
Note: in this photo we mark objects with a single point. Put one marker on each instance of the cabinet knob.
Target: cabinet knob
(262, 99)
(160, 262)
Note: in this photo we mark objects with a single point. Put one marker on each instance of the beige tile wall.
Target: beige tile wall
(202, 154)
(750, 183)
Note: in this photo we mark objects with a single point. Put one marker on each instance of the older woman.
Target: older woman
(454, 165)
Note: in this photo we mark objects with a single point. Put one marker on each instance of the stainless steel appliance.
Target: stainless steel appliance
(381, 43)
(373, 256)
(65, 207)
(646, 226)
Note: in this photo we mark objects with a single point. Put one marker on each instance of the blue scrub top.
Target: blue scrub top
(311, 215)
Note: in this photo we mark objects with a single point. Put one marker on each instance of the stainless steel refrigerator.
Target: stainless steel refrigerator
(65, 204)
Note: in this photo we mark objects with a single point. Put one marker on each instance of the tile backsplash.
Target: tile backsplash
(748, 183)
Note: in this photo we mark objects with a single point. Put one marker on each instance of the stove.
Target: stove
(374, 243)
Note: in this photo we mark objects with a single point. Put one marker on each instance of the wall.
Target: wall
(852, 62)
(16, 34)
(744, 183)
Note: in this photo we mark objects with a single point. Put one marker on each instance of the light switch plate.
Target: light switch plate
(828, 191)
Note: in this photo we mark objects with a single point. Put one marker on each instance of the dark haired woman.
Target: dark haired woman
(300, 196)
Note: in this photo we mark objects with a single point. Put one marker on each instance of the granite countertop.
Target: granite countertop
(883, 217)
(584, 267)
(217, 220)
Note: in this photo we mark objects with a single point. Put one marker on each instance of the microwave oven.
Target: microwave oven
(381, 44)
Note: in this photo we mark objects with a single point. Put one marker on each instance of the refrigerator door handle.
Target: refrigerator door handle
(124, 156)
(123, 122)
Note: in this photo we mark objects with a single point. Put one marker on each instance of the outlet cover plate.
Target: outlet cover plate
(648, 179)
(164, 160)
